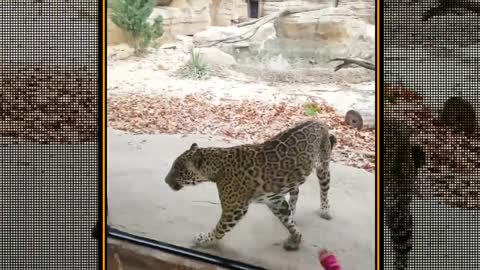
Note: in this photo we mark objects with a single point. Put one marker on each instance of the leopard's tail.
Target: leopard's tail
(333, 140)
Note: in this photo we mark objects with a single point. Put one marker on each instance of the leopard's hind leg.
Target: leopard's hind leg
(323, 175)
(293, 198)
(281, 209)
(399, 220)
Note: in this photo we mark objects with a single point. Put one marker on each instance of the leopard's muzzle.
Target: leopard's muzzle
(172, 183)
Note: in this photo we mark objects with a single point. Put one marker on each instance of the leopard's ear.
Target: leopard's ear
(194, 147)
(197, 159)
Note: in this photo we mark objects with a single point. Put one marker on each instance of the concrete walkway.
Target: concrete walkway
(141, 203)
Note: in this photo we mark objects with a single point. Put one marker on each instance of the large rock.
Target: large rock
(246, 47)
(223, 12)
(271, 6)
(328, 25)
(215, 57)
(265, 32)
(333, 32)
(240, 10)
(317, 35)
(216, 33)
(194, 4)
(115, 35)
(182, 21)
(364, 9)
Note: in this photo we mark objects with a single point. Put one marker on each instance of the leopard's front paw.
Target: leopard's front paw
(325, 214)
(204, 239)
(293, 242)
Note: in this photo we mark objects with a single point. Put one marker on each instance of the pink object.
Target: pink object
(330, 263)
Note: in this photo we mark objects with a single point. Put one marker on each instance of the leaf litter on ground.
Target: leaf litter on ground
(452, 158)
(242, 120)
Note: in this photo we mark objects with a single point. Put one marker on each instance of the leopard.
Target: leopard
(402, 160)
(264, 173)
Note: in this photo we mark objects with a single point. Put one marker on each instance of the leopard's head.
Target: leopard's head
(186, 169)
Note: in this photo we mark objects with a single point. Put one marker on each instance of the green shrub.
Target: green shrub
(195, 68)
(312, 109)
(132, 16)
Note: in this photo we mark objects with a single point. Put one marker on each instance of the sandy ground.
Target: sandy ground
(352, 88)
(141, 203)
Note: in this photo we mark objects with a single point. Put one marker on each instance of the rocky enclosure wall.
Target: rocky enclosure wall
(183, 17)
(325, 34)
(362, 8)
(223, 12)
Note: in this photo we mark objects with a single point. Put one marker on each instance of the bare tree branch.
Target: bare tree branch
(347, 62)
(448, 6)
(249, 22)
(257, 24)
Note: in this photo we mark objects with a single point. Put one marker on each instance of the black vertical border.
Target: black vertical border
(102, 43)
(378, 133)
